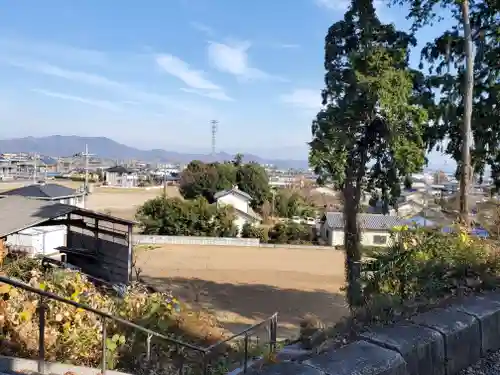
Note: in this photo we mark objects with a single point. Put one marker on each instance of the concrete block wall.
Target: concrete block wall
(192, 240)
(439, 342)
(139, 239)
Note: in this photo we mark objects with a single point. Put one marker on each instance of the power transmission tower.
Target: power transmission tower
(215, 124)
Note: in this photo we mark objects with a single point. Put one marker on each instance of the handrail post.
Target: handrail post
(245, 360)
(205, 362)
(273, 332)
(104, 349)
(148, 347)
(41, 336)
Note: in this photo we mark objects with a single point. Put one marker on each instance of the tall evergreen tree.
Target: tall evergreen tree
(369, 134)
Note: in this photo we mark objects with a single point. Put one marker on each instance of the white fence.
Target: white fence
(215, 241)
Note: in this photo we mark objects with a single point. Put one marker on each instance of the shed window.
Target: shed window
(379, 240)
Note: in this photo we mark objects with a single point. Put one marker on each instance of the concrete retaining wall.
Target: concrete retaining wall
(438, 342)
(215, 241)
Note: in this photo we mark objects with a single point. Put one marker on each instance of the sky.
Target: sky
(153, 74)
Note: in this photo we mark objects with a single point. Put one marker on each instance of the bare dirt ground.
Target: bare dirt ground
(244, 285)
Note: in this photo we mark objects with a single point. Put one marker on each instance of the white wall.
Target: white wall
(73, 201)
(368, 238)
(239, 221)
(125, 180)
(234, 201)
(39, 241)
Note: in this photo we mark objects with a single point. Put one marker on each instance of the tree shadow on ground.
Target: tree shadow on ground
(238, 306)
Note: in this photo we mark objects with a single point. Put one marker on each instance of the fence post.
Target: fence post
(104, 349)
(41, 336)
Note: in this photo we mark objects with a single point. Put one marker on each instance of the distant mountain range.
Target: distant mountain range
(59, 145)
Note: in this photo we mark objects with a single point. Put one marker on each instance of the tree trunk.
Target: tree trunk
(352, 243)
(466, 172)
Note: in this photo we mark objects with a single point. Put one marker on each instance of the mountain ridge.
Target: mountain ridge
(107, 148)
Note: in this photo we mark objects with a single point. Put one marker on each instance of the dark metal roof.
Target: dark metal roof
(335, 220)
(119, 169)
(45, 191)
(18, 213)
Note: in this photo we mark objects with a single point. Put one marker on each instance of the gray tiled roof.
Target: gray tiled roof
(46, 191)
(335, 220)
(236, 191)
(18, 213)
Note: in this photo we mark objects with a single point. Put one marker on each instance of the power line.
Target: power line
(215, 124)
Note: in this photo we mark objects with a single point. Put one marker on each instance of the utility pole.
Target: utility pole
(86, 181)
(34, 168)
(214, 124)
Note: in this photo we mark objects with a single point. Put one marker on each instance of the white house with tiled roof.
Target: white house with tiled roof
(375, 228)
(241, 204)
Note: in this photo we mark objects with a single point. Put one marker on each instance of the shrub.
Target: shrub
(251, 231)
(426, 265)
(175, 217)
(291, 233)
(73, 335)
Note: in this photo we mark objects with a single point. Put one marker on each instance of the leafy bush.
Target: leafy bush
(73, 335)
(291, 233)
(250, 231)
(428, 265)
(175, 217)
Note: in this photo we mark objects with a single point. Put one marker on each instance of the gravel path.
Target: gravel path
(489, 365)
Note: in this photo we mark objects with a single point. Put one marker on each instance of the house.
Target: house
(241, 204)
(49, 192)
(375, 228)
(119, 176)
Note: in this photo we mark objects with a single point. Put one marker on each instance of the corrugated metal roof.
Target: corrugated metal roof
(335, 220)
(18, 213)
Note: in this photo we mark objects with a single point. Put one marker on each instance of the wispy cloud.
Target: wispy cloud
(96, 81)
(306, 99)
(217, 95)
(233, 59)
(337, 5)
(343, 5)
(25, 48)
(289, 46)
(195, 79)
(207, 30)
(104, 104)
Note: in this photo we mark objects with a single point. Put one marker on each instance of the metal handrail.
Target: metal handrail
(272, 320)
(44, 294)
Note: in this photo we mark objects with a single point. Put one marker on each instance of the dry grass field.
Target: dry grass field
(124, 202)
(243, 285)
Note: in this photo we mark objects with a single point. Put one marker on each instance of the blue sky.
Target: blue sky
(153, 74)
